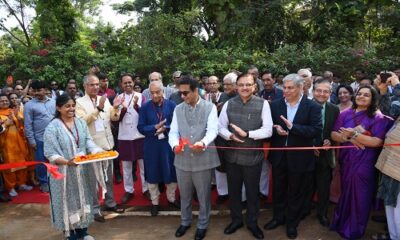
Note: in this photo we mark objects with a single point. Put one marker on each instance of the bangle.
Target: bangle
(355, 135)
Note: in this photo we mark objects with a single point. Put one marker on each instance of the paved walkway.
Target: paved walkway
(32, 221)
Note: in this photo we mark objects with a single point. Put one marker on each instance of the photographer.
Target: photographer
(389, 93)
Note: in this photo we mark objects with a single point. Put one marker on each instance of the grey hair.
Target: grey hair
(305, 71)
(253, 67)
(329, 73)
(231, 77)
(87, 77)
(296, 78)
(157, 84)
(159, 74)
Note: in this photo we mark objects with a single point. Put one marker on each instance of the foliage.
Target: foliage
(57, 20)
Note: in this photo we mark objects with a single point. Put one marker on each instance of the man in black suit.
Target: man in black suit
(325, 158)
(297, 121)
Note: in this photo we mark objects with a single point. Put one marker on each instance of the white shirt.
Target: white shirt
(264, 132)
(211, 130)
(128, 125)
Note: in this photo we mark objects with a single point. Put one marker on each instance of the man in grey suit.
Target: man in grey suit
(194, 120)
(322, 90)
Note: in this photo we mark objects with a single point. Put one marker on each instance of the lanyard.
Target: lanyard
(130, 100)
(70, 130)
(159, 114)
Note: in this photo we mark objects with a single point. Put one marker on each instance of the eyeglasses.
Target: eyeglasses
(241, 85)
(19, 89)
(212, 83)
(184, 93)
(322, 91)
(53, 84)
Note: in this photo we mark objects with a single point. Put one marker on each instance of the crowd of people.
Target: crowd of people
(194, 133)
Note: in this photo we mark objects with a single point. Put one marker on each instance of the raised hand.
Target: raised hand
(238, 130)
(280, 130)
(288, 123)
(102, 101)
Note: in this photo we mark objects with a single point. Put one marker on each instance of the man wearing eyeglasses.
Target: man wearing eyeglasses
(244, 121)
(325, 160)
(194, 121)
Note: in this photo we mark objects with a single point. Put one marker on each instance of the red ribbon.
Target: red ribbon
(50, 168)
(184, 141)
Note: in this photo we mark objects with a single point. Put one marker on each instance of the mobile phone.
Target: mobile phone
(384, 76)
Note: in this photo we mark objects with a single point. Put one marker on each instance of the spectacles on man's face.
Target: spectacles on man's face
(19, 89)
(53, 84)
(321, 91)
(184, 93)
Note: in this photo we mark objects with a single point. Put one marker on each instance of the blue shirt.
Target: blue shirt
(292, 110)
(37, 115)
(273, 94)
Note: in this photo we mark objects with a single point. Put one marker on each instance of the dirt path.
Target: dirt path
(32, 221)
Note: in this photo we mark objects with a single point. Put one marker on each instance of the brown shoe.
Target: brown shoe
(127, 196)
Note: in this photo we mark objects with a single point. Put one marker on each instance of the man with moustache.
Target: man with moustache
(221, 181)
(97, 111)
(297, 122)
(194, 120)
(37, 115)
(324, 158)
(244, 121)
(130, 140)
(154, 123)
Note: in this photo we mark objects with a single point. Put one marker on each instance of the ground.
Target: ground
(32, 221)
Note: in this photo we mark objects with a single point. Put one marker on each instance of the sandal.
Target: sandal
(114, 209)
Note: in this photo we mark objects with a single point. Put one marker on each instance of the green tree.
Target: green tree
(56, 20)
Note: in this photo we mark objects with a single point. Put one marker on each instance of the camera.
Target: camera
(384, 76)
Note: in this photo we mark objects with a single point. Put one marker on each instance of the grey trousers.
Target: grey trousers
(201, 181)
(109, 200)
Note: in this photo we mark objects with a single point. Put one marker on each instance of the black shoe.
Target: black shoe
(4, 198)
(99, 218)
(379, 218)
(154, 210)
(127, 196)
(146, 195)
(273, 224)
(200, 234)
(256, 231)
(115, 209)
(306, 214)
(181, 231)
(232, 227)
(291, 232)
(176, 204)
(324, 221)
(221, 199)
(262, 196)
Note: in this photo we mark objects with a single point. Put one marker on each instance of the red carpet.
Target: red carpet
(36, 196)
